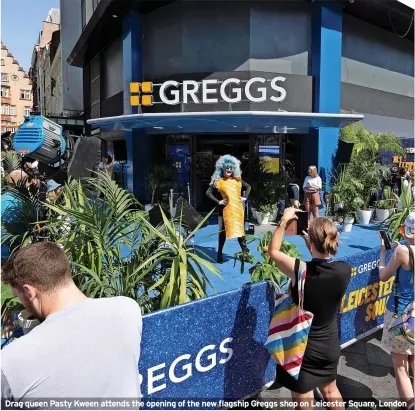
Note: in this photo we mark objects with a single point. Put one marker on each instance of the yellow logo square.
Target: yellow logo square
(147, 100)
(147, 87)
(135, 100)
(134, 87)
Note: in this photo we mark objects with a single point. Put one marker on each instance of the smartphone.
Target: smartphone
(302, 222)
(385, 239)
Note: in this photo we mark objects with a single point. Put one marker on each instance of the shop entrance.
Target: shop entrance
(209, 149)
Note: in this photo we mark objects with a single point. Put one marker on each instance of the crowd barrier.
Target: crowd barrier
(213, 349)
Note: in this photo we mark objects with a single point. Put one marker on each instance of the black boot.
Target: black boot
(222, 239)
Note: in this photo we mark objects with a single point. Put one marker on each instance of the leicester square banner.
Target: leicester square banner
(364, 303)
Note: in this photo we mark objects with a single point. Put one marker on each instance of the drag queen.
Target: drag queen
(227, 181)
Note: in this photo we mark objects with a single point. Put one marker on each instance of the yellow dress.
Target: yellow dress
(233, 213)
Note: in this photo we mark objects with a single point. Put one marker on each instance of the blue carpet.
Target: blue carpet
(361, 238)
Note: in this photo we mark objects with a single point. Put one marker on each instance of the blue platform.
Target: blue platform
(361, 238)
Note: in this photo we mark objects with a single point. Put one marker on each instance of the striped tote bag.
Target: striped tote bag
(289, 328)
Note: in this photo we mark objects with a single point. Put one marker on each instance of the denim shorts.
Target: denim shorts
(293, 192)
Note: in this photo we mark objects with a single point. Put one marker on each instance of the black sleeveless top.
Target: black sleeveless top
(324, 287)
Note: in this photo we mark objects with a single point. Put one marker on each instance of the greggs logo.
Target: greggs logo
(362, 268)
(141, 93)
(231, 90)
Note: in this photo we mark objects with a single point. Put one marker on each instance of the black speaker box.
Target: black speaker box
(120, 150)
(344, 152)
(190, 217)
(87, 153)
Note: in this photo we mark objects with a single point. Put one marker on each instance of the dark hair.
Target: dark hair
(403, 171)
(323, 234)
(109, 159)
(43, 265)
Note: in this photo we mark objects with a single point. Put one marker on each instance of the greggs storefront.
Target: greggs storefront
(242, 115)
(190, 81)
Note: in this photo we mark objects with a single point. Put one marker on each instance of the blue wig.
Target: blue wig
(224, 162)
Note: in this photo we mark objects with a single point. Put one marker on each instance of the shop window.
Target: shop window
(24, 94)
(12, 110)
(5, 92)
(4, 77)
(27, 111)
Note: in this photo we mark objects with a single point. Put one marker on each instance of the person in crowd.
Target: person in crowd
(109, 167)
(227, 182)
(83, 348)
(53, 190)
(324, 287)
(312, 186)
(403, 293)
(101, 165)
(404, 177)
(293, 191)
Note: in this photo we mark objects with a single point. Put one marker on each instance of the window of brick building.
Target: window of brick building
(4, 91)
(24, 94)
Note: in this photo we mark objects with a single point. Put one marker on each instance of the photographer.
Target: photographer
(325, 284)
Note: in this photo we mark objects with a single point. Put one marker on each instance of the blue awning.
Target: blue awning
(225, 122)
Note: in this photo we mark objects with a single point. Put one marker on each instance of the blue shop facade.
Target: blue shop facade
(187, 82)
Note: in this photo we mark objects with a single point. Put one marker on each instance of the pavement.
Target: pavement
(365, 374)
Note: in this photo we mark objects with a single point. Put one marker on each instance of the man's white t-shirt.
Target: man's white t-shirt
(88, 350)
(312, 181)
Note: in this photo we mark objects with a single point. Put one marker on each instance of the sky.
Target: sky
(21, 22)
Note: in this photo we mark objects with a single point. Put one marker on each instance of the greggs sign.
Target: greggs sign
(208, 91)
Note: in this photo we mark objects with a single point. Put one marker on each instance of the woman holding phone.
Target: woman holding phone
(312, 186)
(325, 284)
(401, 266)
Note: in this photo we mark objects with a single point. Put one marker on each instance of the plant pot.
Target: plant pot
(364, 216)
(263, 218)
(273, 217)
(26, 323)
(348, 224)
(382, 214)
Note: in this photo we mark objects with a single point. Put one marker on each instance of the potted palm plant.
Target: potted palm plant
(114, 249)
(344, 193)
(384, 207)
(363, 164)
